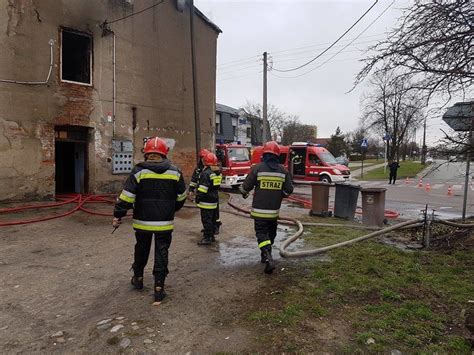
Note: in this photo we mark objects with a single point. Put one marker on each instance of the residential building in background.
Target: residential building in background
(233, 125)
(109, 87)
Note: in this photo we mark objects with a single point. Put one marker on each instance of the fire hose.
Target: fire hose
(287, 254)
(79, 199)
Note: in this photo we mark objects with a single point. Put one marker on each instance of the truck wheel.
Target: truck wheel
(326, 179)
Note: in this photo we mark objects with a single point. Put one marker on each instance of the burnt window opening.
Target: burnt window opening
(76, 57)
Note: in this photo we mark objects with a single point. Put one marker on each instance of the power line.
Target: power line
(239, 76)
(332, 45)
(297, 50)
(323, 44)
(235, 68)
(247, 59)
(338, 46)
(347, 45)
(135, 13)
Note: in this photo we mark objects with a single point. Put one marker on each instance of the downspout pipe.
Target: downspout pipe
(51, 62)
(114, 86)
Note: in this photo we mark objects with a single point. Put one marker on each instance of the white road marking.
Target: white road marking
(457, 187)
(437, 186)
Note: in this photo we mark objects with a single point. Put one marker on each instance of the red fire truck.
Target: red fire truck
(308, 162)
(235, 162)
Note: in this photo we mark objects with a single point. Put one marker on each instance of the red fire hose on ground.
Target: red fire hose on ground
(81, 200)
(78, 199)
(307, 204)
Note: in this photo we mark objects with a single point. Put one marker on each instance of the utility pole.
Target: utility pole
(197, 122)
(423, 148)
(264, 104)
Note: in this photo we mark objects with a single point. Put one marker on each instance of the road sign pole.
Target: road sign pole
(466, 180)
(362, 167)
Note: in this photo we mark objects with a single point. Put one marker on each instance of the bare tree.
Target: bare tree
(391, 109)
(277, 119)
(432, 45)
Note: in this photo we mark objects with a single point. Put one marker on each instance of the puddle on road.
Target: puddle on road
(242, 250)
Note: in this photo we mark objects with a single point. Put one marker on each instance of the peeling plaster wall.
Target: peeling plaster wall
(153, 74)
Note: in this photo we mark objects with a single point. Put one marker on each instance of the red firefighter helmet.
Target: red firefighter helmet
(271, 147)
(203, 152)
(210, 159)
(156, 145)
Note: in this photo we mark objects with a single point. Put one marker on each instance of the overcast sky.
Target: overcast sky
(293, 32)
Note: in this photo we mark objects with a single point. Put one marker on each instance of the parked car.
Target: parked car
(342, 160)
(429, 160)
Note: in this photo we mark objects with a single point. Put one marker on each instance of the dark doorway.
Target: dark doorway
(298, 157)
(71, 159)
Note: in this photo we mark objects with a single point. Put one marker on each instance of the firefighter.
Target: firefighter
(194, 182)
(197, 171)
(272, 182)
(155, 190)
(207, 197)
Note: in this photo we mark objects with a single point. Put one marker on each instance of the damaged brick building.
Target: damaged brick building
(83, 83)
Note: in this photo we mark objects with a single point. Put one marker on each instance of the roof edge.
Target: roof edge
(207, 20)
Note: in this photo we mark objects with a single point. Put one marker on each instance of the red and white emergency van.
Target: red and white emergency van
(308, 162)
(235, 163)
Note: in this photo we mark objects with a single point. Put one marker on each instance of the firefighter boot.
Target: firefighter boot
(159, 290)
(137, 279)
(217, 228)
(263, 259)
(269, 263)
(205, 241)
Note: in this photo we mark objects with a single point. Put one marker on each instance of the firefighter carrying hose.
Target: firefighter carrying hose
(272, 182)
(207, 198)
(155, 190)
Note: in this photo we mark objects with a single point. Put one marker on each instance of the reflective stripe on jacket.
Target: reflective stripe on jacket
(207, 195)
(270, 187)
(155, 191)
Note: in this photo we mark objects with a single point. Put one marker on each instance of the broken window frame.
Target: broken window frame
(91, 54)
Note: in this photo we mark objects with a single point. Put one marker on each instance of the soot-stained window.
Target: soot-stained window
(76, 57)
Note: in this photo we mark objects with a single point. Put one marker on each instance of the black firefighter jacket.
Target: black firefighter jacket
(155, 191)
(271, 185)
(195, 177)
(207, 196)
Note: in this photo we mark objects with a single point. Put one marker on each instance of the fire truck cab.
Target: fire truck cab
(308, 162)
(235, 163)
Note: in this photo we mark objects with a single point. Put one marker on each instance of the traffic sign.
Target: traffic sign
(364, 143)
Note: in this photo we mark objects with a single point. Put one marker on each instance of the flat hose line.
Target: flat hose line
(302, 253)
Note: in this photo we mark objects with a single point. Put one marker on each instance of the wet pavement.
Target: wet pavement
(241, 250)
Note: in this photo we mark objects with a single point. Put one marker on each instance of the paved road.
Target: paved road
(408, 199)
(447, 172)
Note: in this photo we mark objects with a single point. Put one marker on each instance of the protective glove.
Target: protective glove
(116, 222)
(244, 193)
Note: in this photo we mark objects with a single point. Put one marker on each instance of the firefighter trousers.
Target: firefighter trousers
(142, 252)
(217, 218)
(266, 231)
(209, 218)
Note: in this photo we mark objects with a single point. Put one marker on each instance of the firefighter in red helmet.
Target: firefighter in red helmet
(207, 197)
(155, 190)
(272, 182)
(197, 171)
